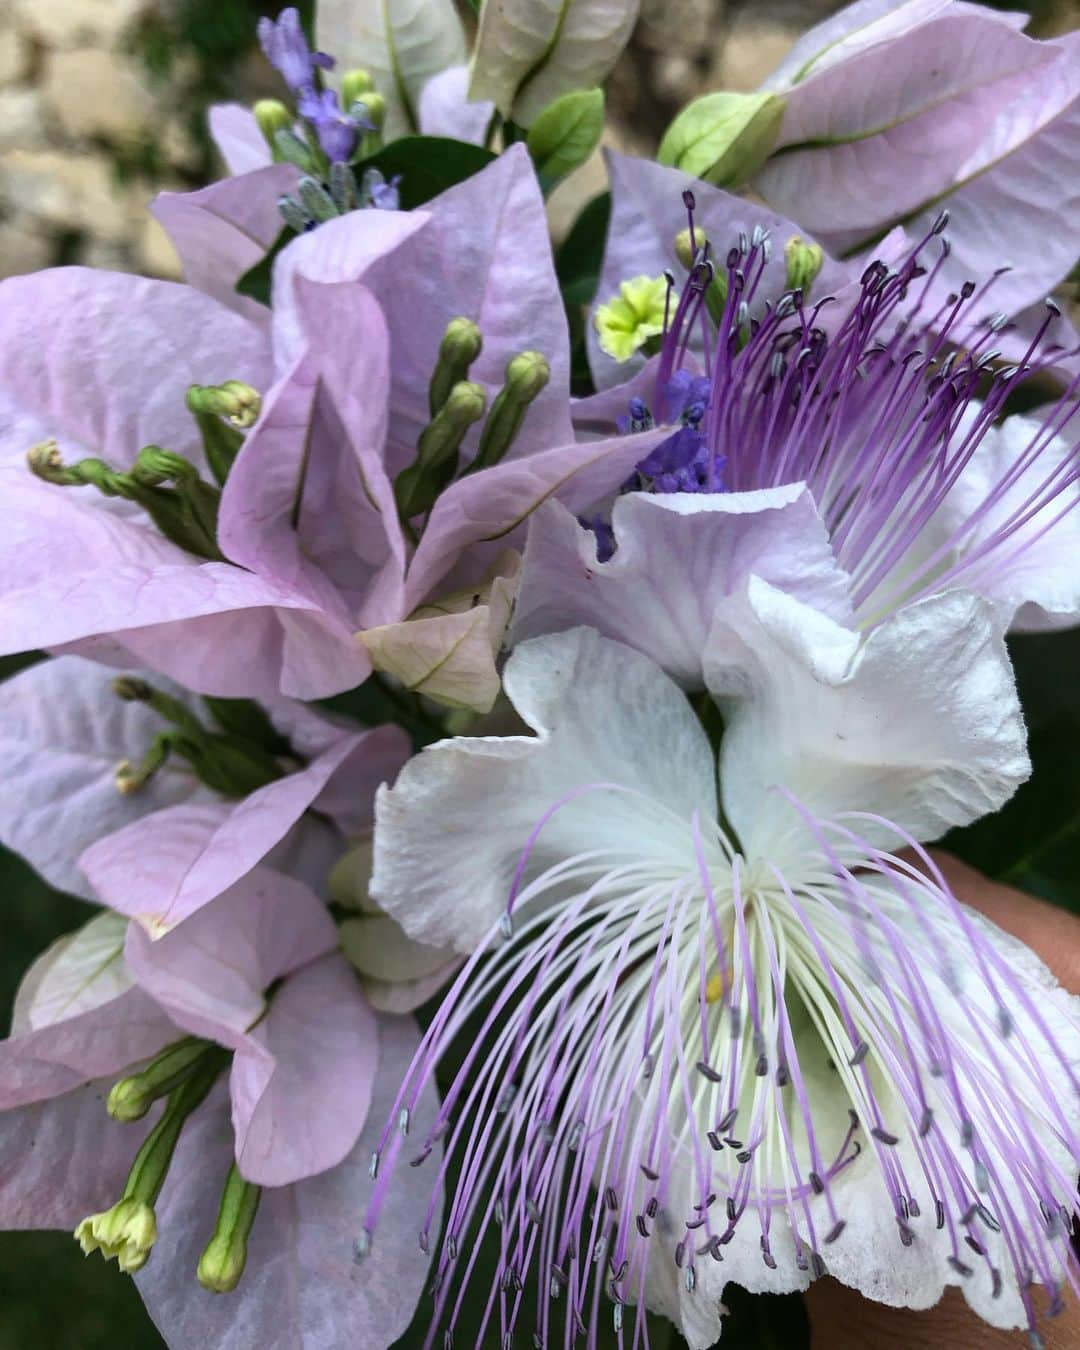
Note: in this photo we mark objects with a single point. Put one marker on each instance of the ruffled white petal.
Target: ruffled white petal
(616, 742)
(919, 722)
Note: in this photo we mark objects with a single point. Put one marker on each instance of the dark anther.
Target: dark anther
(913, 1207)
(835, 1231)
(959, 1266)
(728, 1121)
(907, 1237)
(925, 1122)
(883, 1136)
(761, 1068)
(680, 1253)
(653, 1176)
(995, 1276)
(652, 1207)
(860, 1053)
(610, 1198)
(707, 1071)
(715, 1141)
(816, 1184)
(782, 1076)
(817, 1265)
(744, 1157)
(689, 201)
(642, 1226)
(769, 1260)
(732, 1212)
(939, 1214)
(732, 1143)
(975, 1245)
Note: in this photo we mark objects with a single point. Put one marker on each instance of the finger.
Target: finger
(841, 1319)
(1050, 932)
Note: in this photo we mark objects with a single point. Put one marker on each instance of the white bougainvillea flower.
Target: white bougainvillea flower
(736, 1039)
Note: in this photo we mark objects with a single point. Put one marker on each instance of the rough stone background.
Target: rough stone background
(101, 103)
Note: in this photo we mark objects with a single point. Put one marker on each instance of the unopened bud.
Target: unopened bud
(291, 149)
(222, 1263)
(46, 462)
(369, 108)
(237, 402)
(354, 85)
(272, 117)
(804, 262)
(316, 201)
(154, 467)
(343, 187)
(131, 689)
(527, 374)
(689, 247)
(131, 1098)
(419, 484)
(461, 345)
(293, 214)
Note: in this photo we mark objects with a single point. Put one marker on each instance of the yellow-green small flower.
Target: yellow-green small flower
(636, 315)
(127, 1232)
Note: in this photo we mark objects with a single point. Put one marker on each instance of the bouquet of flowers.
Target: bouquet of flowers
(498, 697)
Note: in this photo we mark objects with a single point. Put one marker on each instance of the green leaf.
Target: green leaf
(1034, 840)
(723, 138)
(428, 165)
(256, 281)
(565, 134)
(581, 255)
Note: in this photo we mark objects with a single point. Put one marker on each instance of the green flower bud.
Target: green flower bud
(354, 84)
(128, 1230)
(315, 200)
(126, 1233)
(804, 262)
(131, 1098)
(371, 105)
(290, 149)
(723, 138)
(293, 214)
(222, 1263)
(131, 778)
(461, 345)
(527, 374)
(132, 690)
(716, 295)
(419, 484)
(46, 463)
(636, 315)
(343, 187)
(155, 467)
(566, 133)
(272, 117)
(237, 402)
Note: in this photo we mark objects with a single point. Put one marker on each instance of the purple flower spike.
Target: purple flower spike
(286, 48)
(338, 133)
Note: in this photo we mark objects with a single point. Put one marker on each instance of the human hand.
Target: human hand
(840, 1318)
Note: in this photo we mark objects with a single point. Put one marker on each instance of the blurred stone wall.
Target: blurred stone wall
(100, 104)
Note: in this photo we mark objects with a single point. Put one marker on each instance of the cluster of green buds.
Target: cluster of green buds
(337, 181)
(241, 756)
(183, 1074)
(169, 488)
(456, 404)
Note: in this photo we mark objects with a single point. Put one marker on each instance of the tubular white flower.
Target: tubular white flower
(704, 1060)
